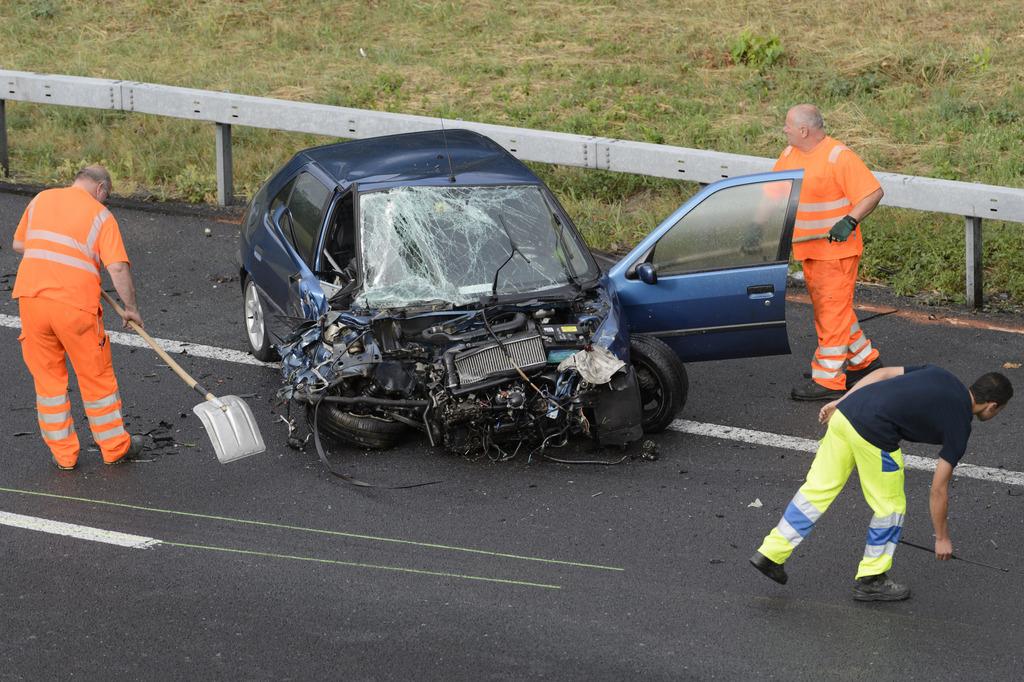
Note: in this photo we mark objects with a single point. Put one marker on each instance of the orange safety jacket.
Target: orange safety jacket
(835, 180)
(68, 236)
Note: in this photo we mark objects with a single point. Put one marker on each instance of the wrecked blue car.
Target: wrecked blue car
(431, 282)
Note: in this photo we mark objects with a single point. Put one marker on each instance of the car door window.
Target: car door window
(306, 206)
(281, 198)
(734, 227)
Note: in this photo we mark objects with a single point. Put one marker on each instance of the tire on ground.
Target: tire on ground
(265, 352)
(358, 429)
(662, 378)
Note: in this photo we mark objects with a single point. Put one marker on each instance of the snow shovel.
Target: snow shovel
(228, 420)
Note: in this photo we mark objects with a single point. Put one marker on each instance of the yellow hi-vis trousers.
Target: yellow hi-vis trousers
(881, 479)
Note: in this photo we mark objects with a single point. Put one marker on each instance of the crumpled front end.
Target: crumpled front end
(500, 380)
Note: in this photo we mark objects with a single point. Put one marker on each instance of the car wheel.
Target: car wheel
(662, 379)
(256, 324)
(364, 430)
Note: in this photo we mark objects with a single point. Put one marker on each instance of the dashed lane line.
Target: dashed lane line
(320, 531)
(72, 530)
(171, 346)
(774, 440)
(111, 537)
(683, 426)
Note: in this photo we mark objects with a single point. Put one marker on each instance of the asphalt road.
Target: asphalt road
(268, 568)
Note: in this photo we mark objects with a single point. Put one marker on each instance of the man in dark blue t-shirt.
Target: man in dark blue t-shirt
(921, 404)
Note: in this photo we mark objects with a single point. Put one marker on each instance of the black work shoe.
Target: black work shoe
(771, 569)
(879, 588)
(855, 375)
(135, 447)
(812, 390)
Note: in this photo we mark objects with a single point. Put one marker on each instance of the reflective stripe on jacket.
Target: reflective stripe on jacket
(68, 236)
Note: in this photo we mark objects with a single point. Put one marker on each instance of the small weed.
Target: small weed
(195, 185)
(43, 9)
(755, 50)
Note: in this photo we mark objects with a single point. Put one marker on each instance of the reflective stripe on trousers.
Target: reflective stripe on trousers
(841, 341)
(52, 332)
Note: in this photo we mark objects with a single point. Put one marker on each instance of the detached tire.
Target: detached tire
(365, 431)
(663, 381)
(256, 323)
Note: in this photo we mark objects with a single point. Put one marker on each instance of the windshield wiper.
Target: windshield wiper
(566, 262)
(514, 249)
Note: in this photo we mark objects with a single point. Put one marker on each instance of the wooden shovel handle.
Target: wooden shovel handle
(810, 238)
(185, 376)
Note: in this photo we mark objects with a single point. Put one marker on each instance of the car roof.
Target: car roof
(421, 158)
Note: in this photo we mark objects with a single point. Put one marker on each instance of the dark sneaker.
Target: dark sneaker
(63, 467)
(812, 390)
(855, 375)
(771, 569)
(879, 588)
(137, 445)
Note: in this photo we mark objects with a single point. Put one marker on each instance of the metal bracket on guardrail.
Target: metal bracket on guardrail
(972, 240)
(225, 176)
(5, 161)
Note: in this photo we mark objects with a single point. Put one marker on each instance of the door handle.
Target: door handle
(758, 291)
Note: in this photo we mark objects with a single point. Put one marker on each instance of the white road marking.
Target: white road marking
(774, 440)
(72, 530)
(195, 349)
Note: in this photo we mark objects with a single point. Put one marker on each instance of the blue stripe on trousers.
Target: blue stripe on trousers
(881, 536)
(798, 520)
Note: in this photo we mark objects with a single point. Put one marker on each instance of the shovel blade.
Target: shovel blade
(231, 428)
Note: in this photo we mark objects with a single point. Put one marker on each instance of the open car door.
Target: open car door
(710, 281)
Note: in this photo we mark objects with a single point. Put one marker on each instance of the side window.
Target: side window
(341, 240)
(734, 227)
(306, 205)
(281, 198)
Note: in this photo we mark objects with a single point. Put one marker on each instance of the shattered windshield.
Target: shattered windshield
(450, 244)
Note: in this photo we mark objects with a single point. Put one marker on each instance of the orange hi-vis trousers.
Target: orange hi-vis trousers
(49, 329)
(841, 341)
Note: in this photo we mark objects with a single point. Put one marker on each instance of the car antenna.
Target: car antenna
(444, 137)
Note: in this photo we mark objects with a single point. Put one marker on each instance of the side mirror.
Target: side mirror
(647, 273)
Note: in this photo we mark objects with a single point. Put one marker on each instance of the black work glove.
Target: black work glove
(842, 229)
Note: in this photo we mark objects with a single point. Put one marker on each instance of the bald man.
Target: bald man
(838, 192)
(65, 237)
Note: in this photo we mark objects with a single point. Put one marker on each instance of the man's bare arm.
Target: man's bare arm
(121, 276)
(878, 375)
(938, 505)
(18, 246)
(863, 208)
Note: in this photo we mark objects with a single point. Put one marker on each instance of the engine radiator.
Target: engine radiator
(491, 361)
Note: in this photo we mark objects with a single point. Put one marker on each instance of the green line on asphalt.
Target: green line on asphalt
(358, 536)
(355, 564)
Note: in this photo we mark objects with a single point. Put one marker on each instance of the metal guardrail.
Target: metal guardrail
(973, 201)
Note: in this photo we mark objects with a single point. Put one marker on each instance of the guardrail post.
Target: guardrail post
(5, 162)
(972, 234)
(225, 181)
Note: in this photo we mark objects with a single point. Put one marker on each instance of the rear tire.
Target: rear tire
(663, 381)
(363, 430)
(256, 323)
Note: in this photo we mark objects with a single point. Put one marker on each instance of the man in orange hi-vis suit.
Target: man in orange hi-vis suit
(838, 192)
(64, 236)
